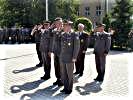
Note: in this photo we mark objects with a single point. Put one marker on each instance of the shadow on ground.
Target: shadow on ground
(92, 87)
(26, 87)
(112, 52)
(17, 56)
(44, 94)
(26, 70)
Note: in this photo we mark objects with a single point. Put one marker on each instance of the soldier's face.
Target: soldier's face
(46, 26)
(58, 24)
(65, 26)
(100, 29)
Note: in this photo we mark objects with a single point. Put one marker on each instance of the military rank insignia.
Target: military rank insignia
(69, 44)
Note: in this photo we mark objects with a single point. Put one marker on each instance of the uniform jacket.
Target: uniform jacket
(102, 43)
(70, 45)
(56, 47)
(45, 42)
(83, 41)
(37, 35)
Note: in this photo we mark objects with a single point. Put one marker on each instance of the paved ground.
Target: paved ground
(22, 78)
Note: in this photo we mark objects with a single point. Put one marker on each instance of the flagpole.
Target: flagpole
(106, 6)
(46, 9)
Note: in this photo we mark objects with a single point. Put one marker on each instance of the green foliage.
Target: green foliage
(63, 8)
(107, 22)
(122, 23)
(86, 22)
(30, 12)
(15, 11)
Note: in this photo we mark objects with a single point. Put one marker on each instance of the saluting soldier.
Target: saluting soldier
(69, 51)
(56, 49)
(45, 48)
(101, 49)
(83, 36)
(37, 34)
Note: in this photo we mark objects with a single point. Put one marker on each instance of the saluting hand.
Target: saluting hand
(53, 25)
(40, 27)
(84, 52)
(73, 60)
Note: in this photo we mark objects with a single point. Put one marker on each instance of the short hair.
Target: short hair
(68, 22)
(46, 22)
(100, 25)
(80, 24)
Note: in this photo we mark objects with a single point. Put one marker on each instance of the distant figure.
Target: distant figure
(1, 35)
(101, 49)
(130, 35)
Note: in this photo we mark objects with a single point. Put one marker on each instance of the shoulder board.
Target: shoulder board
(86, 33)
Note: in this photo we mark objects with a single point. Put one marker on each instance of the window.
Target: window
(87, 11)
(98, 10)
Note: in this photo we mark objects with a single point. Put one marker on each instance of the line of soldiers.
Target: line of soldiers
(69, 48)
(14, 35)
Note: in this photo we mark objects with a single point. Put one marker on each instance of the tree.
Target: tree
(30, 12)
(14, 12)
(107, 21)
(37, 11)
(122, 23)
(63, 8)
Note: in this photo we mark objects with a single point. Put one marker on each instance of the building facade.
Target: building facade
(95, 10)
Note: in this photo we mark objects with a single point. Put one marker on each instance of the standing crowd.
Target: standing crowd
(69, 48)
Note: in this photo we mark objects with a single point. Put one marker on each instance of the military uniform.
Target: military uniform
(1, 35)
(79, 64)
(13, 35)
(101, 47)
(37, 35)
(45, 48)
(56, 50)
(69, 50)
(6, 34)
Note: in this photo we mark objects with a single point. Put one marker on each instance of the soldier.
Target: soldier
(13, 34)
(6, 34)
(45, 48)
(101, 49)
(1, 35)
(130, 36)
(83, 36)
(56, 49)
(36, 32)
(69, 51)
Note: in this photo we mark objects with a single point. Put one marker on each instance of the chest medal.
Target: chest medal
(69, 44)
(82, 40)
